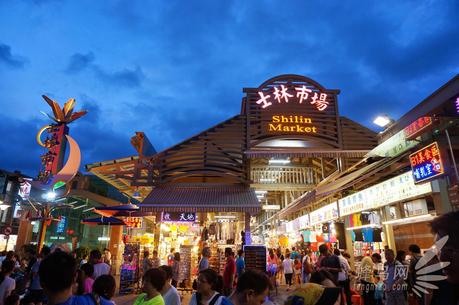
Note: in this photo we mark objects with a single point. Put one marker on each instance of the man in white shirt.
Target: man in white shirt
(100, 268)
(343, 275)
(7, 285)
(169, 292)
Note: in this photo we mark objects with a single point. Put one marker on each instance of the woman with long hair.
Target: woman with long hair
(209, 288)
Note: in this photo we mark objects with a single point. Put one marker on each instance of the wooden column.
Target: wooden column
(248, 235)
(115, 247)
(24, 233)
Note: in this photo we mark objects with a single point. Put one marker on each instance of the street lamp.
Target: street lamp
(382, 120)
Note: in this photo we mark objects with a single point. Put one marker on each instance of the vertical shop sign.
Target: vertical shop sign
(61, 225)
(426, 163)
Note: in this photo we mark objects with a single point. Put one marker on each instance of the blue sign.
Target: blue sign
(426, 163)
(61, 225)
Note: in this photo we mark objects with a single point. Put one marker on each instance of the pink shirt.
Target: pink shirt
(88, 285)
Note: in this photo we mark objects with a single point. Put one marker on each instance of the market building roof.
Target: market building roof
(201, 197)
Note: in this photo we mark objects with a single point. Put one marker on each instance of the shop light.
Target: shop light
(270, 207)
(382, 120)
(49, 196)
(3, 206)
(267, 180)
(372, 225)
(103, 238)
(259, 192)
(225, 217)
(279, 161)
(87, 210)
(413, 219)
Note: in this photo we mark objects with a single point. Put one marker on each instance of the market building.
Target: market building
(227, 185)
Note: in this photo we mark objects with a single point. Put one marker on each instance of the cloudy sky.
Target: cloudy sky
(174, 68)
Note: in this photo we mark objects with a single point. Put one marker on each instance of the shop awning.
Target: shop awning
(201, 197)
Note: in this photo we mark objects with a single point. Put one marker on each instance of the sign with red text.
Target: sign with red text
(426, 163)
(133, 222)
(418, 127)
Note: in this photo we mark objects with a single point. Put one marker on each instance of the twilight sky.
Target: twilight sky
(174, 68)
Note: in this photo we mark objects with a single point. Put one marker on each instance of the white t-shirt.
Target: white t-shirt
(101, 269)
(287, 264)
(171, 297)
(6, 287)
(193, 300)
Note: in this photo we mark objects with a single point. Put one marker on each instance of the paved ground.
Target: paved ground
(278, 300)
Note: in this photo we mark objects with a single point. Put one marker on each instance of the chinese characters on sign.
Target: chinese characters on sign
(133, 222)
(415, 129)
(178, 217)
(325, 213)
(426, 163)
(302, 94)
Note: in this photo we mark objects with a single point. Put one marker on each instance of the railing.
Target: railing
(284, 175)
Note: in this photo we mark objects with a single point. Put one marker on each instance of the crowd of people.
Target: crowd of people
(56, 277)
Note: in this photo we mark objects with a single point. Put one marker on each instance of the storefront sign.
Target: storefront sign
(293, 226)
(393, 190)
(61, 225)
(426, 163)
(291, 123)
(178, 217)
(419, 126)
(457, 105)
(304, 221)
(282, 94)
(326, 213)
(393, 146)
(133, 222)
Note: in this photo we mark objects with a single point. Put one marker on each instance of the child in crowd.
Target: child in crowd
(104, 287)
(88, 281)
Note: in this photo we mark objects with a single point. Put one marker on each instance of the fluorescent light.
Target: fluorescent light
(382, 120)
(279, 161)
(225, 217)
(372, 225)
(413, 219)
(260, 192)
(103, 238)
(87, 210)
(270, 207)
(267, 180)
(79, 207)
(4, 206)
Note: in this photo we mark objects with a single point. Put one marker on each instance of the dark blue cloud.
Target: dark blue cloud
(10, 60)
(79, 62)
(129, 78)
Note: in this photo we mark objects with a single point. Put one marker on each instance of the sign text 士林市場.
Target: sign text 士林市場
(426, 163)
(302, 94)
(291, 123)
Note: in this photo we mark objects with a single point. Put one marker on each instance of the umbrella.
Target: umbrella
(103, 221)
(111, 211)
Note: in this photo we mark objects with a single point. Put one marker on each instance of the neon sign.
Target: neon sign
(291, 123)
(457, 105)
(417, 127)
(426, 163)
(303, 94)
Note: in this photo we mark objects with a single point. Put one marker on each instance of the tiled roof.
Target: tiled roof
(201, 197)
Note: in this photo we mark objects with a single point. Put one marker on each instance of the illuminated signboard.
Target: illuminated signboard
(133, 222)
(418, 127)
(61, 225)
(291, 123)
(178, 217)
(326, 213)
(392, 190)
(280, 94)
(426, 163)
(457, 105)
(393, 146)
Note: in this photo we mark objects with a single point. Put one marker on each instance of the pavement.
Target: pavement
(279, 299)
